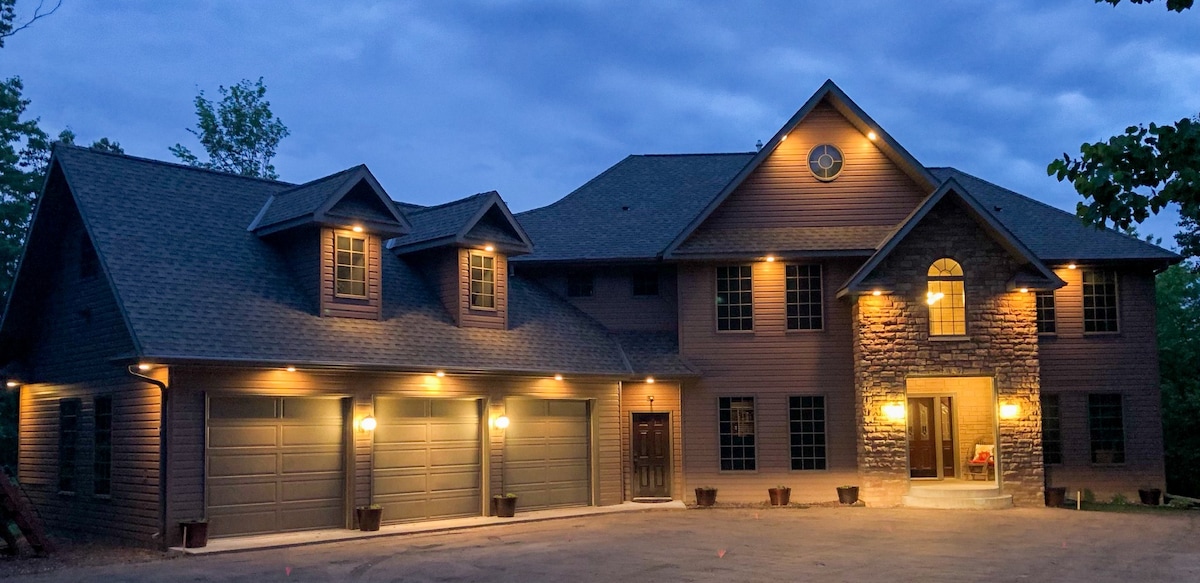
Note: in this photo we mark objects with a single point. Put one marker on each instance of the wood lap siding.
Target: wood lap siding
(871, 189)
(613, 304)
(303, 253)
(635, 399)
(475, 318)
(370, 308)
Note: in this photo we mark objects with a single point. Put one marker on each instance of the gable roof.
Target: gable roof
(1040, 278)
(476, 220)
(632, 210)
(325, 201)
(831, 93)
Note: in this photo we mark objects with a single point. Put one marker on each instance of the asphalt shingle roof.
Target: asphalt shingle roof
(444, 220)
(787, 239)
(196, 284)
(304, 199)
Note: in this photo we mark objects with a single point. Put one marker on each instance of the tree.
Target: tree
(1178, 322)
(8, 14)
(239, 134)
(1172, 5)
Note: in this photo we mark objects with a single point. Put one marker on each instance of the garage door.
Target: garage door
(546, 450)
(427, 462)
(275, 464)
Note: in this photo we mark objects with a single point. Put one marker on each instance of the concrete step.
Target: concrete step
(994, 502)
(953, 491)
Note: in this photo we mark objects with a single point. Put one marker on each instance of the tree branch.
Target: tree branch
(37, 15)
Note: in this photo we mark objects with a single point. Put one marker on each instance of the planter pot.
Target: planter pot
(504, 506)
(706, 496)
(848, 494)
(368, 518)
(1150, 497)
(1056, 497)
(195, 534)
(780, 496)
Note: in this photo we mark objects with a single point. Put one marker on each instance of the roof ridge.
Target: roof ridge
(321, 179)
(694, 154)
(445, 204)
(579, 188)
(158, 162)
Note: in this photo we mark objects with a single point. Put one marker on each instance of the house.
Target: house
(824, 311)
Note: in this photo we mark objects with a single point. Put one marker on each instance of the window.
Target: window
(68, 440)
(737, 433)
(806, 417)
(1099, 301)
(1106, 423)
(89, 263)
(803, 297)
(580, 285)
(1051, 431)
(945, 297)
(735, 300)
(483, 282)
(1045, 312)
(645, 282)
(102, 444)
(350, 267)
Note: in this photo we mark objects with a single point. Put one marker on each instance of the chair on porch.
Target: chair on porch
(982, 465)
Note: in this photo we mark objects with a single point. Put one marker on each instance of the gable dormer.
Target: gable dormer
(464, 247)
(332, 231)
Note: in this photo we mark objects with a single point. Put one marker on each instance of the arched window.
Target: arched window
(947, 304)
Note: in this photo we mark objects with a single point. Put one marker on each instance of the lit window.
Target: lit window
(68, 443)
(483, 281)
(350, 268)
(736, 433)
(806, 418)
(102, 447)
(945, 298)
(580, 285)
(1107, 426)
(1099, 301)
(804, 297)
(645, 282)
(1051, 431)
(735, 298)
(1045, 313)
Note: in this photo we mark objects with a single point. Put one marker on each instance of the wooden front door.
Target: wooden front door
(651, 455)
(922, 438)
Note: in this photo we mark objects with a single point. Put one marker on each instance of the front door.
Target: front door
(651, 455)
(922, 438)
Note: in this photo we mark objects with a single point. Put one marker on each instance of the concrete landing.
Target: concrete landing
(954, 494)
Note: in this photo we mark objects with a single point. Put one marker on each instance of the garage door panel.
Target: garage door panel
(243, 465)
(312, 462)
(306, 518)
(243, 522)
(294, 435)
(547, 457)
(467, 410)
(240, 492)
(523, 452)
(462, 432)
(395, 408)
(387, 433)
(400, 484)
(242, 436)
(459, 456)
(314, 488)
(453, 481)
(401, 459)
(566, 451)
(562, 408)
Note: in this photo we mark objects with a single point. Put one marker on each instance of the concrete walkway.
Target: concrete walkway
(312, 537)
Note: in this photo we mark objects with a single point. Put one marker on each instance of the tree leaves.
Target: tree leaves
(1172, 5)
(239, 134)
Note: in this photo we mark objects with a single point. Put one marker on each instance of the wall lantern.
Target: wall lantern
(368, 423)
(501, 422)
(894, 411)
(1009, 410)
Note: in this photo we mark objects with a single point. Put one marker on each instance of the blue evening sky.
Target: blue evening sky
(442, 99)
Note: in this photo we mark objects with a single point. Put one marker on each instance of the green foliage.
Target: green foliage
(1119, 498)
(1089, 495)
(24, 148)
(1178, 322)
(1172, 5)
(239, 133)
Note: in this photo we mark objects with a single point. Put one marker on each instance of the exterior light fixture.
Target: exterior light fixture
(1009, 410)
(872, 136)
(440, 373)
(770, 259)
(1071, 266)
(12, 384)
(558, 377)
(1024, 290)
(877, 293)
(489, 248)
(784, 138)
(932, 298)
(649, 380)
(144, 367)
(368, 423)
(357, 228)
(894, 411)
(291, 369)
(501, 422)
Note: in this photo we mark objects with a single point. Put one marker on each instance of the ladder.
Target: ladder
(13, 507)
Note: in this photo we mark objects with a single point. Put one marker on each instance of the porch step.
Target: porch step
(957, 496)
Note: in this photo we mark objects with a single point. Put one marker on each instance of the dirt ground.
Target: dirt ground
(794, 544)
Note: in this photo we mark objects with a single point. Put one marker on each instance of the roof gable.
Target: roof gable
(352, 196)
(1035, 276)
(481, 219)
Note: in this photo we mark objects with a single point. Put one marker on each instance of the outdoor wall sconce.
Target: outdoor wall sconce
(894, 411)
(368, 423)
(1009, 410)
(501, 422)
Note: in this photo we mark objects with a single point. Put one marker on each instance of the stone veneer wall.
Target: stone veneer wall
(892, 343)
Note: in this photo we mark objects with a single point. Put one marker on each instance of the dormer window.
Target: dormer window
(350, 266)
(483, 282)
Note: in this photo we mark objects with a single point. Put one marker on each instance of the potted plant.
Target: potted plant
(369, 517)
(1056, 497)
(780, 495)
(195, 533)
(847, 494)
(1150, 496)
(706, 496)
(504, 506)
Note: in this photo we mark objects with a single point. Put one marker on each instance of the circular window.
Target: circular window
(825, 162)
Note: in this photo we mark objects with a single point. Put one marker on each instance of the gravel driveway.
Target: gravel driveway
(813, 544)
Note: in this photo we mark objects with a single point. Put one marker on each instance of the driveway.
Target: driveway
(814, 544)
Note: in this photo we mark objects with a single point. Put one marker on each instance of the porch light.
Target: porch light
(1009, 410)
(290, 369)
(489, 248)
(649, 380)
(770, 259)
(368, 423)
(932, 298)
(439, 374)
(501, 422)
(558, 377)
(871, 136)
(12, 384)
(357, 228)
(894, 411)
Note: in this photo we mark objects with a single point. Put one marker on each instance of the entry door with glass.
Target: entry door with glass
(931, 437)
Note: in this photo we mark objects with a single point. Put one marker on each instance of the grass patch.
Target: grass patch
(1130, 508)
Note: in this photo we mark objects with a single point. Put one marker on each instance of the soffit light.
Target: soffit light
(770, 259)
(1024, 290)
(144, 367)
(558, 377)
(649, 380)
(357, 228)
(489, 248)
(12, 384)
(877, 293)
(871, 136)
(440, 373)
(1071, 266)
(291, 369)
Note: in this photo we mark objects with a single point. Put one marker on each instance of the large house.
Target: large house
(824, 311)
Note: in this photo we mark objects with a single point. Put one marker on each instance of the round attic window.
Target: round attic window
(825, 162)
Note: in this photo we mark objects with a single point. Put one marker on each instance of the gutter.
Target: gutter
(162, 451)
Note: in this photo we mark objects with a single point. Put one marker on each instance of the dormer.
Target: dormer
(464, 248)
(332, 231)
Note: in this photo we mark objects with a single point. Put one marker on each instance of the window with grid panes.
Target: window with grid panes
(1051, 431)
(1106, 424)
(735, 298)
(1099, 301)
(483, 281)
(736, 433)
(806, 418)
(1045, 312)
(804, 309)
(946, 299)
(350, 266)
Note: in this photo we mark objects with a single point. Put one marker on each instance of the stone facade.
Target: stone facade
(892, 343)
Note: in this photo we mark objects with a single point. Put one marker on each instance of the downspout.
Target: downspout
(162, 452)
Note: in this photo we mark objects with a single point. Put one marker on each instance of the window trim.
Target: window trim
(1124, 430)
(1058, 408)
(1053, 309)
(754, 413)
(495, 295)
(366, 253)
(107, 432)
(820, 298)
(73, 458)
(824, 432)
(1116, 283)
(717, 306)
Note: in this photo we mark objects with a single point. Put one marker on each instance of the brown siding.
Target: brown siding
(302, 252)
(1075, 364)
(613, 303)
(476, 318)
(635, 399)
(371, 308)
(782, 192)
(770, 364)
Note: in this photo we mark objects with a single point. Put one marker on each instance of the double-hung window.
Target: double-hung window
(483, 282)
(1106, 423)
(350, 266)
(1100, 301)
(804, 309)
(736, 433)
(806, 419)
(735, 298)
